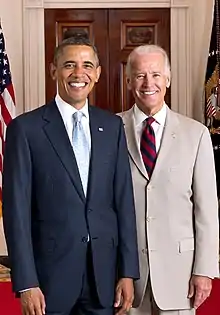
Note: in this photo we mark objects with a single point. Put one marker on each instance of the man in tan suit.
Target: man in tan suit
(175, 194)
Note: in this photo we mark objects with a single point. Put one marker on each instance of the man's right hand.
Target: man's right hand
(32, 302)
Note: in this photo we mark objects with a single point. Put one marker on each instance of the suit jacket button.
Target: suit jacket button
(85, 239)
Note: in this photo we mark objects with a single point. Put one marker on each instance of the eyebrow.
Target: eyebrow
(85, 62)
(89, 63)
(150, 72)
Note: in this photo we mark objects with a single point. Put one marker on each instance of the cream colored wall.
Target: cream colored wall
(11, 15)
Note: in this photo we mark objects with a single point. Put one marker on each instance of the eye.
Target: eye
(88, 66)
(69, 66)
(156, 75)
(140, 76)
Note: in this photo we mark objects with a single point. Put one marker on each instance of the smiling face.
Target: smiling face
(76, 72)
(148, 81)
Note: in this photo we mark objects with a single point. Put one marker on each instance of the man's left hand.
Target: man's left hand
(199, 288)
(124, 295)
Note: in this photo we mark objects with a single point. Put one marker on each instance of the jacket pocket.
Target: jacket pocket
(186, 244)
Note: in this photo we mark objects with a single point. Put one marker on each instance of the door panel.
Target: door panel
(129, 29)
(115, 33)
(94, 22)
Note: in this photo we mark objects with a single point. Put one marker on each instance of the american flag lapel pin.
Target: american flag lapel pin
(100, 129)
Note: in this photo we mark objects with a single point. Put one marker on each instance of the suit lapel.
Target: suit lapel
(168, 141)
(58, 137)
(132, 142)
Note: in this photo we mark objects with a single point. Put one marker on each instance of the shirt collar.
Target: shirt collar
(160, 116)
(66, 110)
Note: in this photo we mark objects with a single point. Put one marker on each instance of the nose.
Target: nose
(147, 80)
(78, 70)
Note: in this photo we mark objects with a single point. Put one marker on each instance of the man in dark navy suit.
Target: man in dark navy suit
(68, 206)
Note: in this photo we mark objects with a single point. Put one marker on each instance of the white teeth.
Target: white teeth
(149, 93)
(75, 84)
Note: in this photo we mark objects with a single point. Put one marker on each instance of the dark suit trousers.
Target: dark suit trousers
(88, 303)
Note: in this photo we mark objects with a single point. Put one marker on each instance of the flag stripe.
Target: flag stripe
(211, 106)
(6, 107)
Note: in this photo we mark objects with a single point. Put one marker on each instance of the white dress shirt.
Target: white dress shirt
(67, 111)
(157, 125)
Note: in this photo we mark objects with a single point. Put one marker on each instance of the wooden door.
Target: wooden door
(128, 29)
(95, 23)
(115, 33)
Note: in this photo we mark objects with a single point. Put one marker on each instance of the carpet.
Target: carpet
(9, 305)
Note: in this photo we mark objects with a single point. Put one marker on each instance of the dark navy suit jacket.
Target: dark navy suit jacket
(47, 217)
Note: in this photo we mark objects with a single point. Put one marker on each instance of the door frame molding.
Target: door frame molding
(181, 52)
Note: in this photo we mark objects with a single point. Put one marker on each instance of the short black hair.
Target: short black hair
(75, 38)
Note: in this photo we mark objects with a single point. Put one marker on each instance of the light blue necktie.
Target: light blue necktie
(81, 149)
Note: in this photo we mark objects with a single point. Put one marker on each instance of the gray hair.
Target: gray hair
(147, 49)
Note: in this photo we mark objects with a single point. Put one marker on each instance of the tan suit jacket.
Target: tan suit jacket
(177, 210)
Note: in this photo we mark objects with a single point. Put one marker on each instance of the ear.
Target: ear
(168, 83)
(128, 81)
(98, 72)
(53, 70)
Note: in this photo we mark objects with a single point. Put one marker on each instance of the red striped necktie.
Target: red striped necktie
(148, 146)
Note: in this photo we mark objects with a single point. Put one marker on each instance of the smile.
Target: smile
(149, 92)
(77, 85)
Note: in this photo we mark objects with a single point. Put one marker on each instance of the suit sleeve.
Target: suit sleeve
(128, 265)
(205, 210)
(17, 189)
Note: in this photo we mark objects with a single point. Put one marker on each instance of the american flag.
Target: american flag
(211, 106)
(7, 101)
